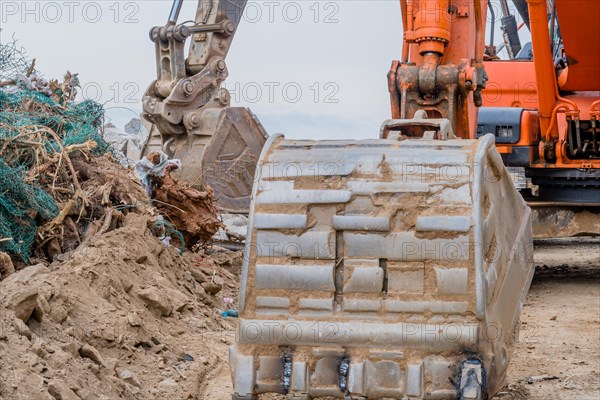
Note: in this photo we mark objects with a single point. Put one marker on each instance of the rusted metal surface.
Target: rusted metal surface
(437, 74)
(417, 127)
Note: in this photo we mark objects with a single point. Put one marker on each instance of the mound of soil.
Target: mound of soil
(123, 317)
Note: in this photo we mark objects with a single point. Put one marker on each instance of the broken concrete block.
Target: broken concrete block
(212, 288)
(168, 382)
(6, 266)
(134, 319)
(25, 275)
(87, 351)
(59, 313)
(86, 394)
(71, 348)
(235, 226)
(21, 328)
(198, 276)
(156, 300)
(43, 304)
(22, 303)
(60, 391)
(179, 300)
(129, 377)
(38, 350)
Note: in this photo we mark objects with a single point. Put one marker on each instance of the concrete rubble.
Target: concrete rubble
(129, 141)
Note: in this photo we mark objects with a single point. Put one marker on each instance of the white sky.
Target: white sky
(336, 52)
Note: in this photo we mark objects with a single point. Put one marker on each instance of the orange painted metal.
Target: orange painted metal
(584, 101)
(510, 84)
(463, 28)
(553, 146)
(432, 26)
(580, 28)
(532, 85)
(544, 66)
(454, 31)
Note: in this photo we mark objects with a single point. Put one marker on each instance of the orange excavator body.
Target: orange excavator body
(555, 137)
(573, 92)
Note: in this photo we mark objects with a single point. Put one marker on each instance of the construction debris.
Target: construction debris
(45, 199)
(62, 184)
(127, 142)
(541, 378)
(110, 309)
(190, 210)
(236, 226)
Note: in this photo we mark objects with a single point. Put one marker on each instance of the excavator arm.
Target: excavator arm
(441, 71)
(190, 112)
(211, 35)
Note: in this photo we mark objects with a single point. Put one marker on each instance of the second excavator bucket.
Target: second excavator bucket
(219, 148)
(381, 269)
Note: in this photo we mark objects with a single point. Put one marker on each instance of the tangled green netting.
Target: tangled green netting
(25, 205)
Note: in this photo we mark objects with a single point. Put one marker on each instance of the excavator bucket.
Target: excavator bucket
(220, 150)
(381, 269)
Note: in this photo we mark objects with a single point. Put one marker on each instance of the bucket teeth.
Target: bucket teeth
(471, 382)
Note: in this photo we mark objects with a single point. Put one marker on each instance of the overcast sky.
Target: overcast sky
(325, 61)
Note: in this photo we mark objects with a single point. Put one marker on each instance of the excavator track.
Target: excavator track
(381, 269)
(552, 220)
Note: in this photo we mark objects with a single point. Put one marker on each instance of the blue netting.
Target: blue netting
(24, 200)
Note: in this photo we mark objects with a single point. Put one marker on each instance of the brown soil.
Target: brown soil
(123, 318)
(560, 331)
(121, 321)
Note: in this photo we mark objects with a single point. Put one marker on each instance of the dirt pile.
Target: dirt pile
(99, 299)
(124, 317)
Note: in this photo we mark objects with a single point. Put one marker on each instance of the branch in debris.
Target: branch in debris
(189, 210)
